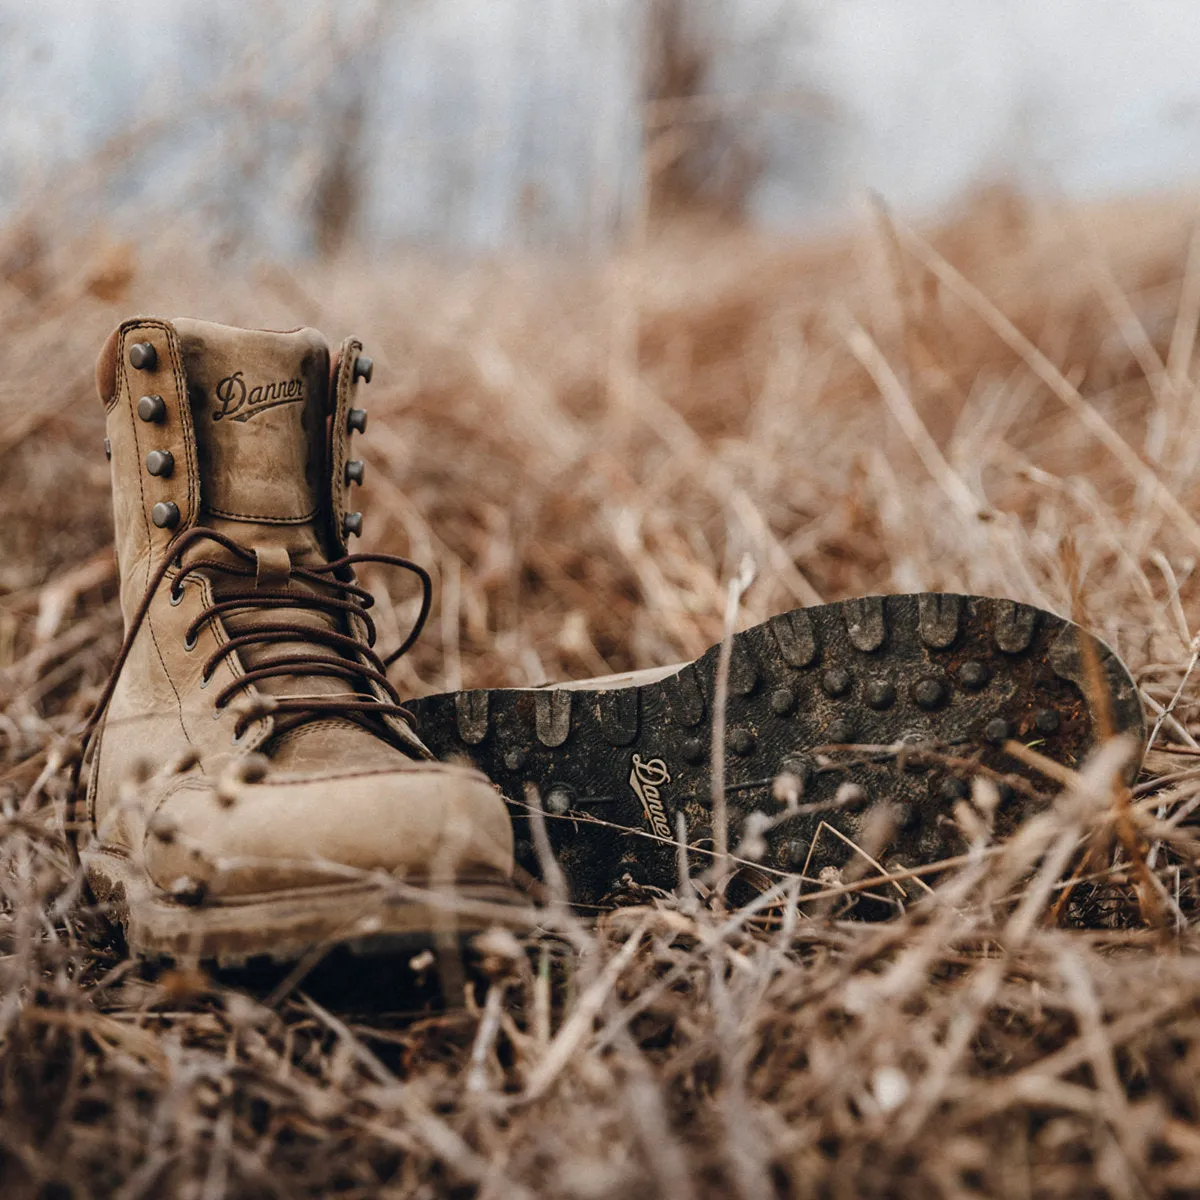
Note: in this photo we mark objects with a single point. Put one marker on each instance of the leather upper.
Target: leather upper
(258, 433)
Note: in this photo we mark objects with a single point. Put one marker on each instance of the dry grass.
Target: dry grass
(586, 456)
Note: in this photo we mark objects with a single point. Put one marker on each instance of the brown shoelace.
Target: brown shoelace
(353, 600)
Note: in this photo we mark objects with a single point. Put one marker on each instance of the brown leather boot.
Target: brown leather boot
(253, 784)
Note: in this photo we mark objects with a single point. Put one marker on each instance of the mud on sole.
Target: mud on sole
(615, 767)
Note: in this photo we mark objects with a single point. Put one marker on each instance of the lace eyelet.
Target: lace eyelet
(205, 680)
(236, 738)
(189, 644)
(176, 597)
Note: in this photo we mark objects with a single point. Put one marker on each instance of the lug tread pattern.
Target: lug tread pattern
(794, 638)
(553, 719)
(617, 712)
(471, 712)
(743, 670)
(866, 623)
(684, 697)
(622, 763)
(939, 617)
(1015, 626)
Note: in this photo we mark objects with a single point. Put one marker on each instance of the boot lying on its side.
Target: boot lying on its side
(253, 785)
(916, 688)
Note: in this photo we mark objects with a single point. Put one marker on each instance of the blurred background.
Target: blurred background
(641, 284)
(292, 127)
(829, 297)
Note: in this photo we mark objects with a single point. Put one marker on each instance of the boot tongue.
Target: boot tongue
(259, 401)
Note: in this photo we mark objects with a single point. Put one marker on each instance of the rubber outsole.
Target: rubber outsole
(950, 676)
(364, 918)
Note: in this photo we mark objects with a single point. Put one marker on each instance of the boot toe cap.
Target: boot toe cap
(428, 822)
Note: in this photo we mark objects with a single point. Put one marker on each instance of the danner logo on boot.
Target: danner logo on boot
(240, 403)
(647, 779)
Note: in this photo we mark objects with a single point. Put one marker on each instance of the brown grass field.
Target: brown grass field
(585, 455)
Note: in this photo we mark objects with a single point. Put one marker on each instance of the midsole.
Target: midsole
(286, 924)
(377, 885)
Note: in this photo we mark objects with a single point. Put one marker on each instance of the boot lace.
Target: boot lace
(352, 658)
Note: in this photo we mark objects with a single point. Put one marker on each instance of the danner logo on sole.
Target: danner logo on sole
(647, 779)
(241, 403)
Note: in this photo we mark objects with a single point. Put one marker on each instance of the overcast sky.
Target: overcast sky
(483, 122)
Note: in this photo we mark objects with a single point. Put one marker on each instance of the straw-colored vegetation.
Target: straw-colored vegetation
(585, 457)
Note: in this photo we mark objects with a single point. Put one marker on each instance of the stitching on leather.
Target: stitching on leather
(397, 725)
(208, 786)
(179, 379)
(178, 698)
(123, 384)
(297, 732)
(116, 396)
(433, 768)
(183, 784)
(264, 520)
(265, 723)
(184, 405)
